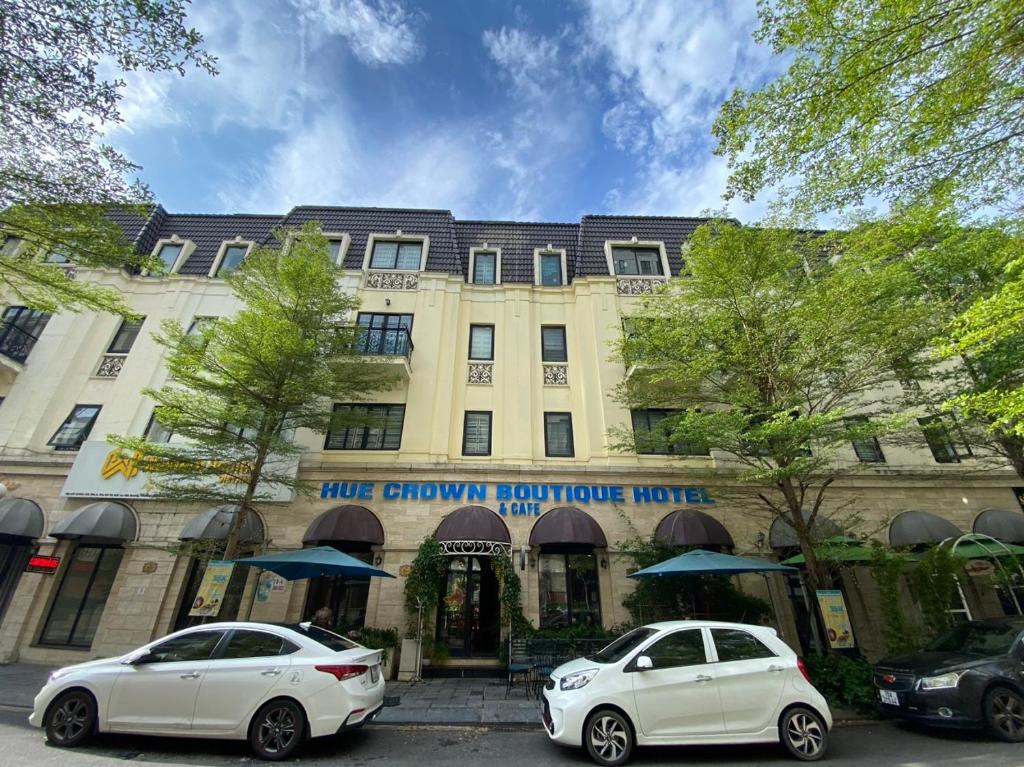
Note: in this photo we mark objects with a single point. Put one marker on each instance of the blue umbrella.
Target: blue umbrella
(313, 563)
(701, 562)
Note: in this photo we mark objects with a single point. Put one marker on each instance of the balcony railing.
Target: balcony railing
(16, 343)
(380, 342)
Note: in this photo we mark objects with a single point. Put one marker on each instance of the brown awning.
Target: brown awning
(919, 528)
(473, 523)
(349, 524)
(689, 527)
(1003, 525)
(567, 525)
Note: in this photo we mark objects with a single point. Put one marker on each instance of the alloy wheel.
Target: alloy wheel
(805, 734)
(1008, 714)
(609, 738)
(70, 719)
(276, 730)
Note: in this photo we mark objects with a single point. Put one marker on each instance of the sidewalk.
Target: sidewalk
(435, 701)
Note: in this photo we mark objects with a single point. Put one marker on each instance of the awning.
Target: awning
(473, 523)
(840, 548)
(567, 525)
(21, 517)
(353, 524)
(920, 528)
(689, 527)
(103, 522)
(781, 534)
(1006, 526)
(214, 525)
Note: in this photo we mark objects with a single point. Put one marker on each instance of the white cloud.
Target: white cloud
(379, 33)
(331, 162)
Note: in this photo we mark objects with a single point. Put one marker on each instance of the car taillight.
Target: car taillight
(343, 672)
(803, 669)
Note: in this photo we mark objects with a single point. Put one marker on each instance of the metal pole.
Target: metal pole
(419, 641)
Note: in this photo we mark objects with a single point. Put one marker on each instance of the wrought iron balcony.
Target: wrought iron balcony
(392, 344)
(15, 343)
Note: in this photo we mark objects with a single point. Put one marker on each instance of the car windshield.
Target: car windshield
(984, 639)
(621, 647)
(328, 639)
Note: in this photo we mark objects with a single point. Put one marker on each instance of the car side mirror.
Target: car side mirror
(138, 658)
(644, 663)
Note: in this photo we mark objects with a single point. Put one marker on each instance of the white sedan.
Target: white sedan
(687, 683)
(271, 685)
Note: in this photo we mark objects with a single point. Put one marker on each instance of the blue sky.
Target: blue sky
(540, 111)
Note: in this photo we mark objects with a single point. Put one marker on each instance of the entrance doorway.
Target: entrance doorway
(469, 615)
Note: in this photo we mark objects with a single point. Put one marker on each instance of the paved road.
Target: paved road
(881, 745)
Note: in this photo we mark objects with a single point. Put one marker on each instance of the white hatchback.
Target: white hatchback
(271, 685)
(687, 683)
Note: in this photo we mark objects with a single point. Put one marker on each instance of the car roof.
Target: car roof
(696, 623)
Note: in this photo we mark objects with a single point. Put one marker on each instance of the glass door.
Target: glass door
(469, 615)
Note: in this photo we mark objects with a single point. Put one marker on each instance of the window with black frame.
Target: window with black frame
(382, 429)
(476, 433)
(652, 434)
(125, 337)
(558, 442)
(344, 597)
(83, 592)
(944, 439)
(868, 449)
(384, 334)
(20, 330)
(232, 601)
(569, 591)
(76, 427)
(481, 342)
(552, 344)
(637, 261)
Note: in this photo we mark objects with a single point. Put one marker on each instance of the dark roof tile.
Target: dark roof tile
(517, 242)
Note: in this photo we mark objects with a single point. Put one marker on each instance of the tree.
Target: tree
(988, 326)
(948, 266)
(764, 350)
(893, 98)
(60, 84)
(240, 386)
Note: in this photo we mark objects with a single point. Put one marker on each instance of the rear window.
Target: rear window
(984, 639)
(328, 639)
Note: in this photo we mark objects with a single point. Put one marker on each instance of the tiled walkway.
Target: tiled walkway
(434, 701)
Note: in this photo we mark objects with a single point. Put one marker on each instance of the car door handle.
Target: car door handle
(702, 678)
(190, 675)
(775, 669)
(271, 672)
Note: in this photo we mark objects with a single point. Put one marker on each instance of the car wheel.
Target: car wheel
(1004, 714)
(804, 734)
(277, 730)
(608, 738)
(71, 719)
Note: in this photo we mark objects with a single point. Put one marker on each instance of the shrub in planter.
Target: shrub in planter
(845, 682)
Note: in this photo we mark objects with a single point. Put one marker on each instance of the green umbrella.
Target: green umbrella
(975, 550)
(838, 548)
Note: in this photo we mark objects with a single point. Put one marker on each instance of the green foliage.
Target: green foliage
(239, 389)
(423, 586)
(902, 97)
(888, 572)
(62, 62)
(763, 347)
(375, 638)
(845, 682)
(510, 588)
(934, 581)
(577, 631)
(675, 597)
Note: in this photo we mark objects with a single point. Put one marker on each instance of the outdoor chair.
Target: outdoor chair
(519, 667)
(543, 661)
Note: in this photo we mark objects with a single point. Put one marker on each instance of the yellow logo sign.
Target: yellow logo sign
(117, 463)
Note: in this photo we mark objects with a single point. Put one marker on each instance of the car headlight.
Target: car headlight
(55, 675)
(578, 679)
(941, 682)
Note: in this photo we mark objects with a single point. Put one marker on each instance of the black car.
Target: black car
(971, 676)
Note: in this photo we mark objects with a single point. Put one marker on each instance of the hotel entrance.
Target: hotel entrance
(469, 610)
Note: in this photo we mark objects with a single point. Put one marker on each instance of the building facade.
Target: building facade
(495, 438)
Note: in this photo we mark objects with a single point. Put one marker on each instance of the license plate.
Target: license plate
(374, 674)
(888, 696)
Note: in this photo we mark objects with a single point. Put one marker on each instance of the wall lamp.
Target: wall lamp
(604, 563)
(379, 560)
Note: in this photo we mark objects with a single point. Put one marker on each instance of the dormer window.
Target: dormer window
(637, 261)
(390, 254)
(169, 254)
(56, 257)
(11, 245)
(485, 265)
(230, 259)
(334, 251)
(549, 267)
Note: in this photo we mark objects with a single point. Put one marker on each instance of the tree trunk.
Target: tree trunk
(245, 505)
